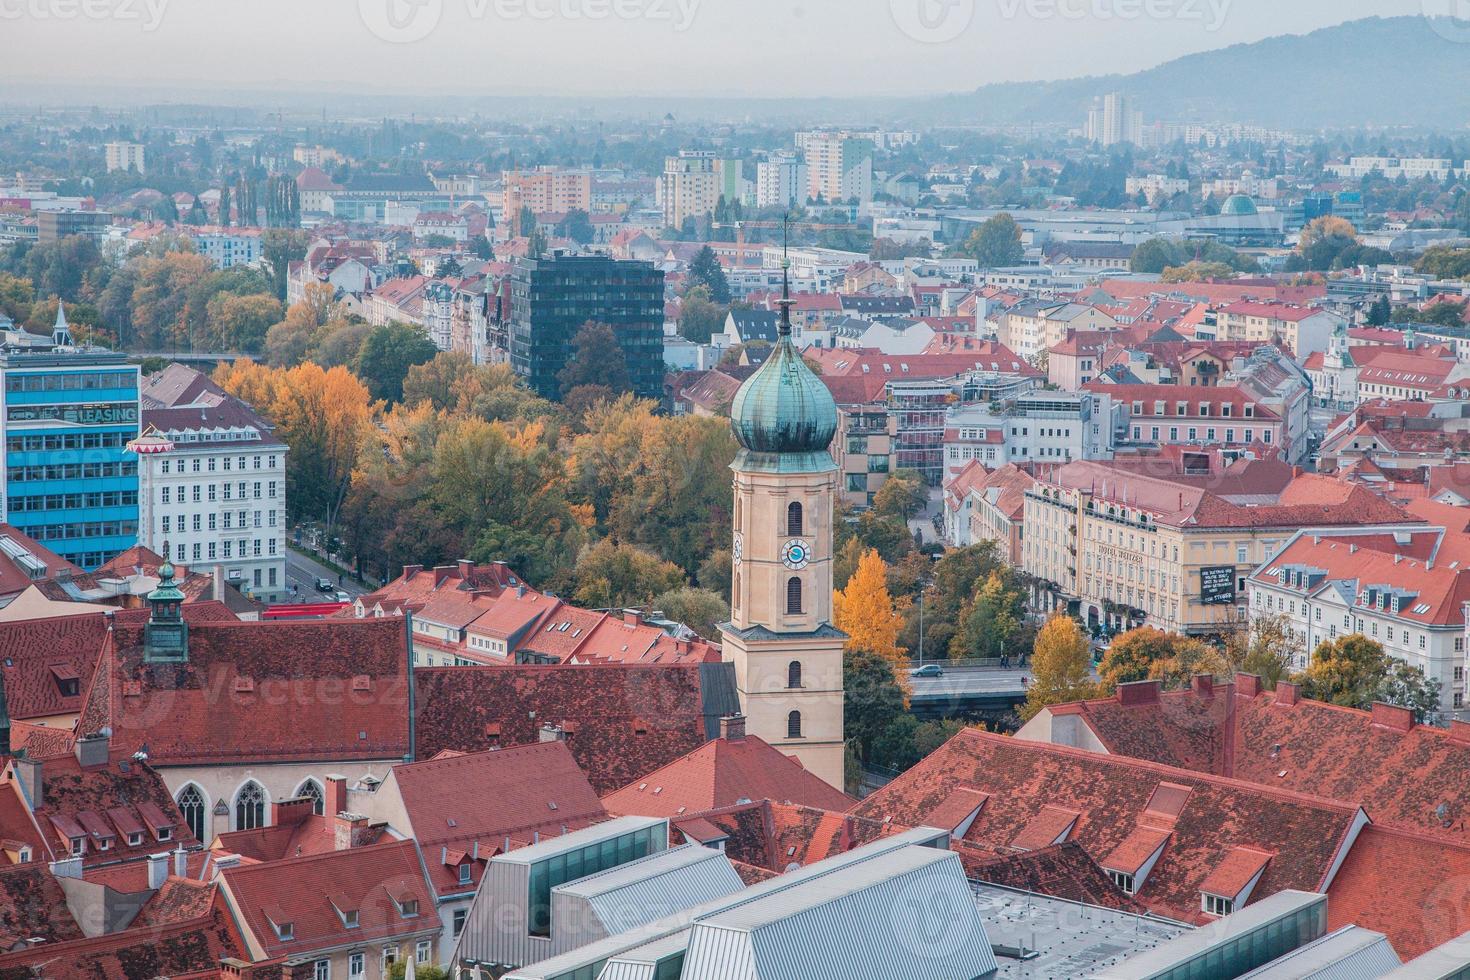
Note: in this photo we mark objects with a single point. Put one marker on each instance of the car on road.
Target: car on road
(928, 670)
(343, 596)
(325, 585)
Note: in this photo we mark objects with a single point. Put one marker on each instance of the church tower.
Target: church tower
(787, 654)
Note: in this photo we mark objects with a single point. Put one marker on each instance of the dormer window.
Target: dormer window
(78, 846)
(464, 874)
(349, 919)
(135, 838)
(285, 930)
(165, 833)
(1215, 905)
(1123, 880)
(408, 907)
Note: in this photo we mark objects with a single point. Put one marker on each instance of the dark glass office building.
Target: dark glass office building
(553, 296)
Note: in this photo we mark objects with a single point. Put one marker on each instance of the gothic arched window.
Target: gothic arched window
(250, 806)
(312, 790)
(191, 805)
(793, 596)
(793, 519)
(793, 725)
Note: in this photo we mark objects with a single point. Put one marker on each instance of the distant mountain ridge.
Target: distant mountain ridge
(1372, 72)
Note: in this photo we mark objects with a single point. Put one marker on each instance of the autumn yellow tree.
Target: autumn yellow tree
(1327, 226)
(1060, 667)
(866, 612)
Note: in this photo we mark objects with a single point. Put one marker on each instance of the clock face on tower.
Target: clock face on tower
(738, 548)
(795, 553)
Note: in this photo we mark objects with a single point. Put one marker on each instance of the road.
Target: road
(303, 572)
(969, 682)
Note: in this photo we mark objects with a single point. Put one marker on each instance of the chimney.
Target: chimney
(1139, 692)
(28, 774)
(442, 572)
(346, 830)
(409, 571)
(157, 870)
(552, 733)
(1393, 717)
(336, 796)
(91, 750)
(1203, 685)
(632, 617)
(219, 583)
(69, 867)
(732, 728)
(466, 568)
(181, 862)
(1287, 693)
(290, 813)
(1247, 684)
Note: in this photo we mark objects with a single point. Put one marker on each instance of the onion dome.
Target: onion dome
(784, 408)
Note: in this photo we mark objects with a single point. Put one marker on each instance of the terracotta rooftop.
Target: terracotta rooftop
(262, 691)
(1059, 870)
(192, 948)
(724, 772)
(32, 905)
(1405, 776)
(304, 895)
(619, 720)
(1121, 818)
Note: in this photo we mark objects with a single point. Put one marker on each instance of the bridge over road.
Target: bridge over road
(968, 691)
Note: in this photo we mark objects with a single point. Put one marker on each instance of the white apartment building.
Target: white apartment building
(839, 168)
(212, 483)
(124, 156)
(1156, 185)
(1037, 427)
(689, 187)
(1367, 580)
(226, 247)
(1411, 168)
(780, 181)
(315, 156)
(1115, 119)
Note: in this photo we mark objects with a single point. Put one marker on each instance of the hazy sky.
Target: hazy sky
(633, 47)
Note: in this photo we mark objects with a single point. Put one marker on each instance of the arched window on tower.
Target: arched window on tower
(793, 596)
(191, 805)
(739, 512)
(793, 725)
(793, 519)
(250, 806)
(793, 674)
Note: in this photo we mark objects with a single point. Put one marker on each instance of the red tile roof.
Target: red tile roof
(721, 773)
(621, 720)
(1118, 828)
(104, 804)
(1062, 871)
(185, 949)
(262, 691)
(32, 905)
(13, 578)
(1411, 780)
(32, 650)
(301, 892)
(535, 788)
(1412, 888)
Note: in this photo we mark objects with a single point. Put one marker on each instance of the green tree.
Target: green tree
(705, 270)
(903, 495)
(1380, 312)
(1354, 671)
(1156, 255)
(386, 355)
(699, 317)
(577, 225)
(1445, 313)
(612, 575)
(700, 609)
(991, 621)
(996, 243)
(871, 699)
(597, 359)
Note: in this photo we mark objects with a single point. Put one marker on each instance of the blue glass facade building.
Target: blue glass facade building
(67, 416)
